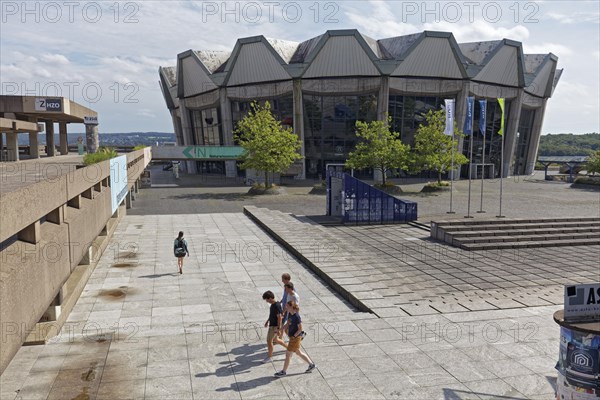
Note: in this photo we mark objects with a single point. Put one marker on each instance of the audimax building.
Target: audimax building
(322, 86)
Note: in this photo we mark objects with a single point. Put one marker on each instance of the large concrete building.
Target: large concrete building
(321, 86)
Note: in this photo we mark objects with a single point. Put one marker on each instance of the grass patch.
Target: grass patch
(103, 154)
(587, 180)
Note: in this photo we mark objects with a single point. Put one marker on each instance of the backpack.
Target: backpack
(179, 249)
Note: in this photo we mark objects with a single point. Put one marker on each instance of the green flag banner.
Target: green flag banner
(501, 131)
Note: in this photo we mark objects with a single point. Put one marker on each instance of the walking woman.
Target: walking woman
(180, 249)
(294, 329)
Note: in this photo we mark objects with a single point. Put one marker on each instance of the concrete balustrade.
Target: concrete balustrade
(52, 234)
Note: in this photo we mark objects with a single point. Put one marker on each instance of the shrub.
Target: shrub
(139, 147)
(584, 180)
(103, 154)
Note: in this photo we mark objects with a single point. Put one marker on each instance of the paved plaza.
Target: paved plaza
(445, 324)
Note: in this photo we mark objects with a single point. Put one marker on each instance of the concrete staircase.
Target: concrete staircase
(517, 233)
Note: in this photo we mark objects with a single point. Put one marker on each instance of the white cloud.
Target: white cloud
(480, 31)
(58, 59)
(574, 18)
(544, 48)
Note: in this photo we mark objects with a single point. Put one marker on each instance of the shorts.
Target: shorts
(294, 344)
(271, 334)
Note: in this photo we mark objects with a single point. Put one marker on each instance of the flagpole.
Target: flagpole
(450, 126)
(501, 175)
(452, 176)
(482, 175)
(470, 172)
(469, 128)
(501, 102)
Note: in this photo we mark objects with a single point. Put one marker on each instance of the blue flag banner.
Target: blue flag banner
(449, 117)
(482, 115)
(468, 127)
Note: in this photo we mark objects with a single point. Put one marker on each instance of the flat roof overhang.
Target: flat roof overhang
(45, 108)
(15, 125)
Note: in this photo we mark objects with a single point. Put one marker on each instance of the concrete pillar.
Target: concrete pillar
(299, 122)
(230, 169)
(50, 138)
(187, 132)
(1, 146)
(64, 144)
(510, 132)
(136, 185)
(534, 139)
(34, 149)
(128, 200)
(31, 234)
(12, 146)
(91, 138)
(226, 119)
(383, 100)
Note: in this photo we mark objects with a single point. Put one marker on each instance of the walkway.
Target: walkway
(142, 331)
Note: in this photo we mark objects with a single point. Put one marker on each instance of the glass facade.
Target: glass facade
(206, 126)
(408, 112)
(493, 141)
(281, 107)
(329, 128)
(523, 140)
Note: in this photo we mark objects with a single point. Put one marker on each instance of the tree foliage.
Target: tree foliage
(433, 149)
(593, 163)
(268, 146)
(379, 148)
(567, 144)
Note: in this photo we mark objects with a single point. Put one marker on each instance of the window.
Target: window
(206, 126)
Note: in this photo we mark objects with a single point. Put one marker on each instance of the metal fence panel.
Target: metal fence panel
(366, 204)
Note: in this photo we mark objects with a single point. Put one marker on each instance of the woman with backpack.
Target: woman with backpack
(180, 249)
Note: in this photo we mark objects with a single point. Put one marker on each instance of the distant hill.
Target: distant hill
(567, 144)
(112, 139)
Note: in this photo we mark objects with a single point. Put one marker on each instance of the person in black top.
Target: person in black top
(180, 249)
(274, 324)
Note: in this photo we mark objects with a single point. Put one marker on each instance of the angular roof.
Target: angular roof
(477, 52)
(212, 59)
(350, 53)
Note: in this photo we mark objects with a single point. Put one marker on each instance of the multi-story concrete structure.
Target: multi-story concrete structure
(26, 114)
(320, 87)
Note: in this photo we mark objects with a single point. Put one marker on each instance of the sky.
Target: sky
(106, 54)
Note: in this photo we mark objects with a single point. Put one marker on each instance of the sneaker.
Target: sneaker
(311, 367)
(267, 360)
(302, 335)
(280, 373)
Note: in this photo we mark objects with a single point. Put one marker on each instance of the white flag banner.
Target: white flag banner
(449, 117)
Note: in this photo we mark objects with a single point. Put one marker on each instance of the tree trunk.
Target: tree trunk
(439, 177)
(383, 171)
(266, 180)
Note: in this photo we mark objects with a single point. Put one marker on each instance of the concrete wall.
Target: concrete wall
(74, 209)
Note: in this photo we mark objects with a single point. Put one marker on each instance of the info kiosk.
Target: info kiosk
(579, 356)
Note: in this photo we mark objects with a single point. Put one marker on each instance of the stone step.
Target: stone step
(530, 244)
(570, 224)
(525, 238)
(515, 232)
(505, 221)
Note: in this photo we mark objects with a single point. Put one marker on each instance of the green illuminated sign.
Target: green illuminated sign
(213, 152)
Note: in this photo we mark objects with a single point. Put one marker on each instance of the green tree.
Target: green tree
(593, 163)
(433, 149)
(268, 146)
(379, 148)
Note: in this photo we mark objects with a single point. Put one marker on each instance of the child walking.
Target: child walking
(294, 327)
